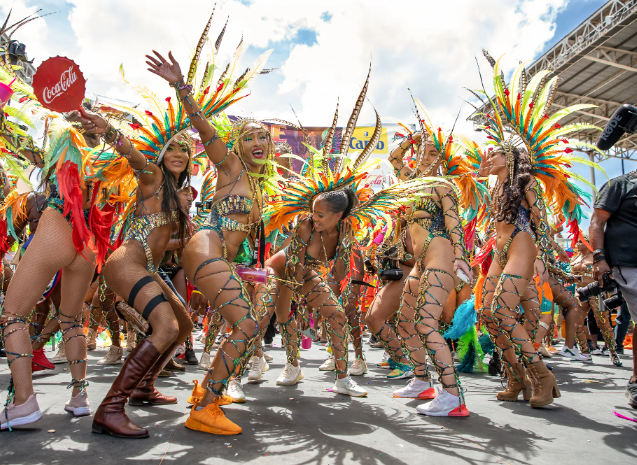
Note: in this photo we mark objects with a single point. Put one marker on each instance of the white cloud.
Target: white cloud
(427, 45)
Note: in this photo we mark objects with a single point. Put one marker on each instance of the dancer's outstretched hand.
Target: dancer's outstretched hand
(459, 264)
(346, 229)
(169, 70)
(91, 122)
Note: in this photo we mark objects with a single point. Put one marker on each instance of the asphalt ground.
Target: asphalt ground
(308, 424)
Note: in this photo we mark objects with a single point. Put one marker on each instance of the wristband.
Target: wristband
(599, 251)
(599, 258)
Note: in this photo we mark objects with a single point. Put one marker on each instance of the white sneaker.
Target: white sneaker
(454, 356)
(290, 375)
(384, 362)
(328, 365)
(573, 354)
(444, 405)
(358, 368)
(180, 350)
(112, 357)
(259, 366)
(416, 389)
(60, 357)
(205, 361)
(545, 352)
(597, 351)
(235, 391)
(79, 405)
(348, 386)
(268, 357)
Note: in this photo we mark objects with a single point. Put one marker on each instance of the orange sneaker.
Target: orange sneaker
(197, 393)
(211, 419)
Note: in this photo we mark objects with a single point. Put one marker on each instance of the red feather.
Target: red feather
(71, 192)
(4, 240)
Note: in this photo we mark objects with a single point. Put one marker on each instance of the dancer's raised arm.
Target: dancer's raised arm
(149, 173)
(171, 72)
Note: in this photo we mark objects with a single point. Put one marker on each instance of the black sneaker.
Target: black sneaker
(190, 358)
(631, 393)
(268, 342)
(620, 351)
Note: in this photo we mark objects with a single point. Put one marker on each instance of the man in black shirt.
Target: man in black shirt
(613, 234)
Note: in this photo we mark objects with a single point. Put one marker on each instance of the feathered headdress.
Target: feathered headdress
(153, 131)
(294, 198)
(520, 118)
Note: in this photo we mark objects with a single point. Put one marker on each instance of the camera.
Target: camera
(203, 205)
(612, 295)
(624, 120)
(390, 267)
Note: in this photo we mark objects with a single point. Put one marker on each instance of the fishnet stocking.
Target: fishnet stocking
(50, 250)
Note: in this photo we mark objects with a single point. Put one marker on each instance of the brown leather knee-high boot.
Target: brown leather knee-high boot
(145, 392)
(111, 416)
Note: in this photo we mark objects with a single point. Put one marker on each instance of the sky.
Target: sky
(322, 49)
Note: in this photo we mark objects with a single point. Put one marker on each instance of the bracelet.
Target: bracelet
(120, 143)
(109, 133)
(214, 138)
(598, 251)
(599, 258)
(180, 85)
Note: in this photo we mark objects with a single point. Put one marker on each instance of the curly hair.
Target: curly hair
(513, 190)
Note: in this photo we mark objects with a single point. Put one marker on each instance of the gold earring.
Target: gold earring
(510, 165)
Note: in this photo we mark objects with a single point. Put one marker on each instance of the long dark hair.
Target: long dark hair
(170, 201)
(513, 189)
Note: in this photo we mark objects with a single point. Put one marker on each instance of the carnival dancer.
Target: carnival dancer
(535, 151)
(437, 235)
(324, 204)
(69, 237)
(236, 213)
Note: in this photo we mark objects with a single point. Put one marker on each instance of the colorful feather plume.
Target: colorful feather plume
(522, 109)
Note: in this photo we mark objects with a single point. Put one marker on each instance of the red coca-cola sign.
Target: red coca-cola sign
(59, 84)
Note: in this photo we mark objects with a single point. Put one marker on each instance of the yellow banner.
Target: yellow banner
(362, 136)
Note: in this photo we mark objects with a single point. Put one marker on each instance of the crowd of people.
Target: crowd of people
(454, 262)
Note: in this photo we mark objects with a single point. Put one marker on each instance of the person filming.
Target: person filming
(612, 232)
